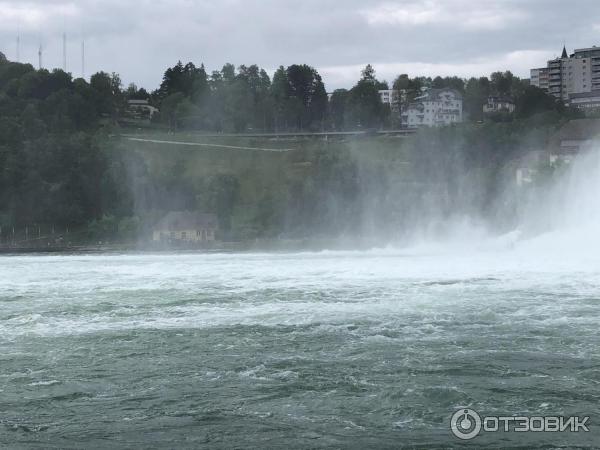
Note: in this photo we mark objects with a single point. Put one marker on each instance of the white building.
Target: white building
(141, 109)
(393, 98)
(497, 104)
(437, 107)
(387, 95)
(186, 226)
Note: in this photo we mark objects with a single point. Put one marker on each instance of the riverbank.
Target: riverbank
(256, 245)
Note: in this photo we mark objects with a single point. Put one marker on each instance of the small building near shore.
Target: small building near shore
(186, 226)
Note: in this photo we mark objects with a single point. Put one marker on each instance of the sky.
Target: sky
(139, 39)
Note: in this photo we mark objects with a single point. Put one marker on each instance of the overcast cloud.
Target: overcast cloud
(139, 39)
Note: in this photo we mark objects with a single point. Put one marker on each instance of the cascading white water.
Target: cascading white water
(568, 211)
(332, 349)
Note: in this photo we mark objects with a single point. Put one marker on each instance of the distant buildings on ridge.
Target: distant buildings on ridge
(434, 107)
(499, 104)
(574, 79)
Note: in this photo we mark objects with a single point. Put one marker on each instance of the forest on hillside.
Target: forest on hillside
(64, 168)
(295, 99)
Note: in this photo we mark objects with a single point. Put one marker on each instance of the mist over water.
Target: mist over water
(561, 217)
(569, 215)
(315, 349)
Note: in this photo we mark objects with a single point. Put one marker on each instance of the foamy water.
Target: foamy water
(347, 349)
(309, 350)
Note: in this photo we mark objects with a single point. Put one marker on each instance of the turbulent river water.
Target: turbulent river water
(374, 349)
(308, 350)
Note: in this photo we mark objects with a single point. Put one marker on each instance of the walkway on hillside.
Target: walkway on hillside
(198, 144)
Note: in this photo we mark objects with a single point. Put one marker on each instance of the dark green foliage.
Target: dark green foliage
(411, 86)
(534, 100)
(364, 108)
(59, 168)
(242, 100)
(56, 170)
(220, 195)
(247, 100)
(337, 108)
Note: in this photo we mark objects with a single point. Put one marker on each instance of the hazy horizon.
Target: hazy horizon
(456, 37)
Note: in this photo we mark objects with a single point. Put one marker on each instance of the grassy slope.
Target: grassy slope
(266, 177)
(264, 166)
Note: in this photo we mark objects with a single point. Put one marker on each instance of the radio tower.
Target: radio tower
(65, 51)
(83, 58)
(40, 57)
(19, 45)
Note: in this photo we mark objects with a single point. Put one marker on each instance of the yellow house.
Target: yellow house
(186, 226)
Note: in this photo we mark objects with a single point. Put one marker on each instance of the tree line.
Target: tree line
(60, 168)
(56, 167)
(246, 99)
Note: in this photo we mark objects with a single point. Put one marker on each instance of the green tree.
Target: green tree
(108, 98)
(307, 95)
(535, 100)
(280, 95)
(477, 91)
(337, 108)
(365, 108)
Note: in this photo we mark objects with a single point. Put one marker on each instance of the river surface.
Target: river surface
(311, 350)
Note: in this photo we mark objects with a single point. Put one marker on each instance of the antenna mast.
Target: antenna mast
(65, 51)
(19, 44)
(40, 57)
(83, 58)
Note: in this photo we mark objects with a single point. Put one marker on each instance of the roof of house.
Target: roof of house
(417, 106)
(138, 102)
(434, 94)
(500, 99)
(187, 220)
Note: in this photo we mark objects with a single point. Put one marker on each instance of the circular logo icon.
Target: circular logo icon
(465, 424)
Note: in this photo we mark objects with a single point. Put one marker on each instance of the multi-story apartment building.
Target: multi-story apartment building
(555, 77)
(436, 107)
(590, 58)
(539, 78)
(571, 77)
